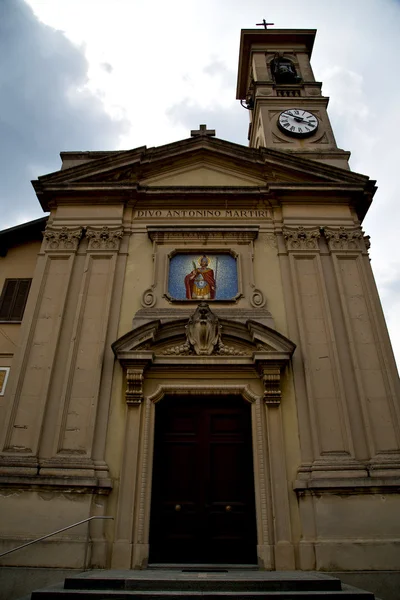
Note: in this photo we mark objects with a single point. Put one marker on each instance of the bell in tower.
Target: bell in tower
(283, 70)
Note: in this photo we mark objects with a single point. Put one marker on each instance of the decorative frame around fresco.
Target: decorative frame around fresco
(200, 251)
(3, 382)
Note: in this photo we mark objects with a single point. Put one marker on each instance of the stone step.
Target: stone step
(59, 593)
(190, 584)
(209, 581)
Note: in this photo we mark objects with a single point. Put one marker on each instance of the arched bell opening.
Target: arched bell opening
(283, 70)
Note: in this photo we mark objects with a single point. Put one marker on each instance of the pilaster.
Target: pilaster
(283, 544)
(372, 360)
(34, 364)
(330, 429)
(74, 429)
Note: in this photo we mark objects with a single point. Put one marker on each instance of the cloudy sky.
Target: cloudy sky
(116, 74)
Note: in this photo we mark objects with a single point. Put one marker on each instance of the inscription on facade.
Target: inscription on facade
(204, 214)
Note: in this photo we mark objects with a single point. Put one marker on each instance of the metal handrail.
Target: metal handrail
(54, 533)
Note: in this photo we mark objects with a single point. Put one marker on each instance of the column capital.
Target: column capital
(301, 238)
(345, 238)
(62, 238)
(104, 238)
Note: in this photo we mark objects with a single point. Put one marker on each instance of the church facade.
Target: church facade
(196, 348)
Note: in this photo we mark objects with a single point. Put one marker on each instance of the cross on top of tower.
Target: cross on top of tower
(202, 132)
(264, 24)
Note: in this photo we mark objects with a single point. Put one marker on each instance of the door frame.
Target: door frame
(274, 541)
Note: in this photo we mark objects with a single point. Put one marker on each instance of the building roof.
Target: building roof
(32, 230)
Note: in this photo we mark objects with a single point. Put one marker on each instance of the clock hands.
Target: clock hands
(298, 118)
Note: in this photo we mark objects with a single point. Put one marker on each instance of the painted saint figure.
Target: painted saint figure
(200, 283)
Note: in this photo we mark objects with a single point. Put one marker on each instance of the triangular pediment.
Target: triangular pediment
(205, 162)
(203, 173)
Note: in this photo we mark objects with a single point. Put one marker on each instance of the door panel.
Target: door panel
(203, 484)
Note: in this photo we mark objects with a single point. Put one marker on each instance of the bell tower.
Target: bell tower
(277, 85)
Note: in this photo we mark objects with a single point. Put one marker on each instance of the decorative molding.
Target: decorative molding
(342, 238)
(216, 389)
(104, 238)
(149, 298)
(203, 235)
(323, 139)
(180, 350)
(301, 238)
(270, 240)
(143, 499)
(65, 483)
(262, 472)
(200, 250)
(271, 377)
(134, 385)
(367, 241)
(62, 238)
(168, 315)
(222, 350)
(4, 372)
(257, 298)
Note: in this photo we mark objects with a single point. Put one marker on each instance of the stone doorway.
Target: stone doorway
(163, 369)
(203, 504)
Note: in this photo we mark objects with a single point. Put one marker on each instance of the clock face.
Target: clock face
(297, 122)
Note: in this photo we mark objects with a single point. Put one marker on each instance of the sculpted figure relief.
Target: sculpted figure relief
(203, 330)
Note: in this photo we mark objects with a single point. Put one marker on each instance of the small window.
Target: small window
(13, 299)
(4, 371)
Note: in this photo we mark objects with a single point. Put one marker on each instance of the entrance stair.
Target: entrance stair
(191, 583)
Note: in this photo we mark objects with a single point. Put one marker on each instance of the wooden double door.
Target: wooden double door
(203, 507)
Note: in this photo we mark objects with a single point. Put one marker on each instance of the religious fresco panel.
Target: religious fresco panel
(203, 277)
